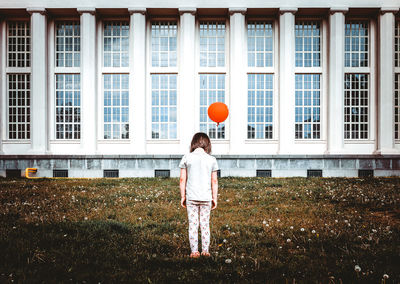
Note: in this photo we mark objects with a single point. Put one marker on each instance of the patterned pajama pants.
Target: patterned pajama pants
(199, 213)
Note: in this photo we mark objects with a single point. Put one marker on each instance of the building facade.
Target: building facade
(312, 87)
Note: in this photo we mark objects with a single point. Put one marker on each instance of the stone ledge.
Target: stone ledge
(178, 156)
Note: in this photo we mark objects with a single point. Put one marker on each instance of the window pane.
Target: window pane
(68, 44)
(356, 44)
(164, 44)
(116, 104)
(260, 106)
(308, 49)
(116, 44)
(212, 44)
(18, 37)
(260, 44)
(164, 106)
(18, 106)
(356, 106)
(68, 106)
(212, 89)
(307, 106)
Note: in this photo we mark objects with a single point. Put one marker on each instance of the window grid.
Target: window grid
(308, 106)
(68, 106)
(212, 44)
(308, 43)
(260, 44)
(260, 106)
(164, 44)
(18, 106)
(212, 89)
(68, 45)
(397, 45)
(356, 44)
(356, 106)
(116, 106)
(396, 106)
(116, 44)
(163, 106)
(19, 44)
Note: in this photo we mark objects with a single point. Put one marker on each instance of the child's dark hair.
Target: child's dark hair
(201, 139)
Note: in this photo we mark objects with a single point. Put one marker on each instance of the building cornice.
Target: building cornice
(90, 10)
(189, 10)
(237, 10)
(393, 10)
(40, 10)
(135, 10)
(284, 10)
(342, 10)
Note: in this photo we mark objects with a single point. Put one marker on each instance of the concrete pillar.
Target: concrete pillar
(335, 131)
(137, 65)
(286, 80)
(187, 77)
(39, 131)
(88, 81)
(3, 120)
(237, 71)
(386, 82)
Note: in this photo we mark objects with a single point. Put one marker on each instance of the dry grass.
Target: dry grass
(133, 230)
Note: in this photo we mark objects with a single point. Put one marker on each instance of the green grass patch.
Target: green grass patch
(264, 230)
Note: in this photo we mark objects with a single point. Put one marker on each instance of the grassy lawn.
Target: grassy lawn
(315, 230)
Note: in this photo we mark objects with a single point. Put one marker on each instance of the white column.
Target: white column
(39, 133)
(237, 89)
(335, 131)
(286, 80)
(137, 94)
(3, 80)
(386, 82)
(88, 81)
(187, 77)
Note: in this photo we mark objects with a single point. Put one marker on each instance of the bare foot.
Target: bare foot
(205, 253)
(194, 254)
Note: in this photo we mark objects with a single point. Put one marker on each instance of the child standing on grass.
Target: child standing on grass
(199, 190)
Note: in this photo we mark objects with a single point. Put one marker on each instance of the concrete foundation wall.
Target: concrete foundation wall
(230, 165)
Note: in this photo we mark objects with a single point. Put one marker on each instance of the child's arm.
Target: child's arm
(214, 188)
(182, 186)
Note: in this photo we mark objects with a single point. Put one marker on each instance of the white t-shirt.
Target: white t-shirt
(199, 166)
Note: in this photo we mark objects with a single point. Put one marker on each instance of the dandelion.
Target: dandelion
(357, 268)
(86, 218)
(302, 229)
(385, 276)
(267, 225)
(288, 240)
(278, 220)
(374, 231)
(291, 227)
(228, 260)
(280, 247)
(313, 231)
(224, 240)
(264, 222)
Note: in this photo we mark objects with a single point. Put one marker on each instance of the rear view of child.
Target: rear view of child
(199, 190)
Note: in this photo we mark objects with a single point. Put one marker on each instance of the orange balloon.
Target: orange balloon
(218, 112)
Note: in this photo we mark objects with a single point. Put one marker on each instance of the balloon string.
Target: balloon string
(217, 124)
